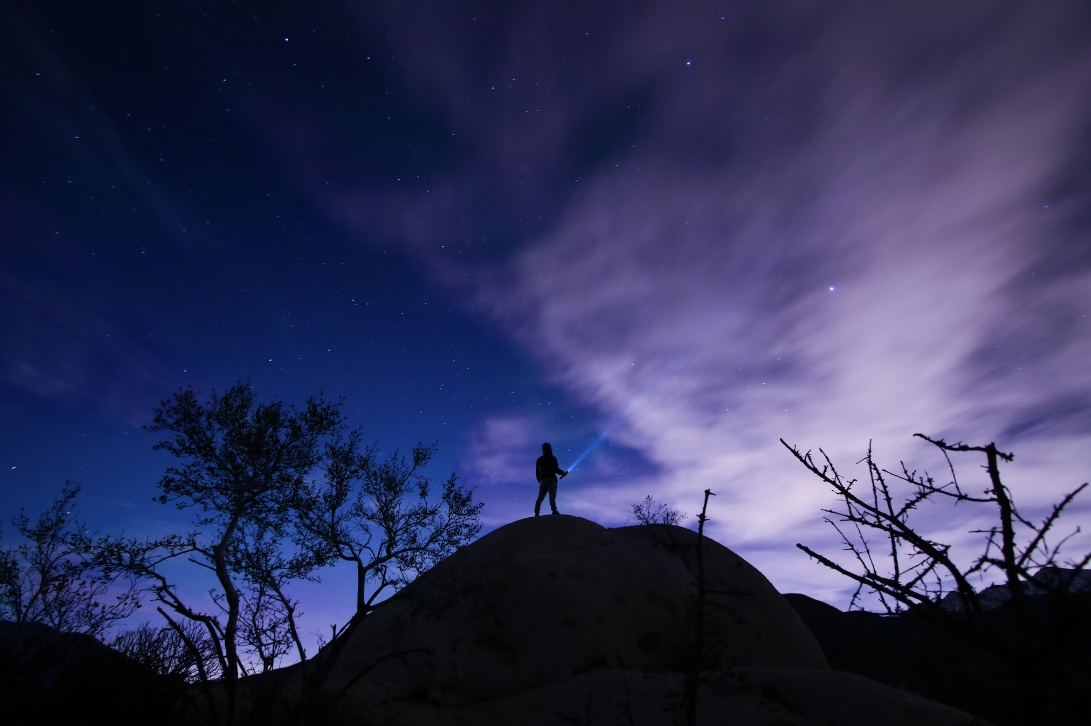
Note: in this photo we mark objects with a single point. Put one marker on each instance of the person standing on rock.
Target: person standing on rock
(546, 470)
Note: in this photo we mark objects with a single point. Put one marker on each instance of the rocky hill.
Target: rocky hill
(67, 677)
(558, 620)
(914, 652)
(554, 620)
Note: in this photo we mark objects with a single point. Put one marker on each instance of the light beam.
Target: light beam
(591, 447)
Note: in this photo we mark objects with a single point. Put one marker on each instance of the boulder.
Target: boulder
(557, 619)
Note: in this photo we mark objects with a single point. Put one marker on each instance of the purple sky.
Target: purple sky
(824, 226)
(698, 227)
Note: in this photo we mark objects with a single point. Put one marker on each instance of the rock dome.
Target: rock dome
(557, 619)
(545, 598)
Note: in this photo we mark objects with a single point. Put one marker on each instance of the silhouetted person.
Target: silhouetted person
(546, 470)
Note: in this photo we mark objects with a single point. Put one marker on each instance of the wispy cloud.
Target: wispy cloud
(828, 226)
(58, 347)
(496, 460)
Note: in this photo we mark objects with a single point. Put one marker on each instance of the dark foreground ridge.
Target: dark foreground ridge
(909, 652)
(71, 678)
(557, 620)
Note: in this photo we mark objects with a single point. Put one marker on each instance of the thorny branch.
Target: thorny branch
(916, 571)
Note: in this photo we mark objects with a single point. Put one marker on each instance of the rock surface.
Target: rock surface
(559, 620)
(913, 652)
(69, 677)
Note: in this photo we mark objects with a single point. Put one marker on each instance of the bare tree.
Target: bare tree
(908, 570)
(51, 579)
(241, 466)
(266, 567)
(258, 524)
(165, 652)
(920, 570)
(377, 514)
(697, 654)
(650, 511)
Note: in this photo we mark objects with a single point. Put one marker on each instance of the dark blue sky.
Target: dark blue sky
(158, 237)
(490, 224)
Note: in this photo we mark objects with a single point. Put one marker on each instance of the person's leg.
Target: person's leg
(542, 489)
(553, 496)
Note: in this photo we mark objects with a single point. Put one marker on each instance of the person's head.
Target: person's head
(547, 449)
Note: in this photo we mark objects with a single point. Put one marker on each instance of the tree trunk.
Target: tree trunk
(361, 582)
(693, 677)
(231, 674)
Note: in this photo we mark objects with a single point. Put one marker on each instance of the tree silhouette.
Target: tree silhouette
(241, 467)
(376, 513)
(50, 578)
(165, 652)
(650, 511)
(258, 524)
(908, 570)
(697, 654)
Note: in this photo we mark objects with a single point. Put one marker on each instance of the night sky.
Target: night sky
(688, 228)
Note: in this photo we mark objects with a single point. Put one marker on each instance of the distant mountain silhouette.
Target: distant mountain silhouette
(60, 677)
(1045, 580)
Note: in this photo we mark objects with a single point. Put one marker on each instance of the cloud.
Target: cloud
(58, 347)
(827, 228)
(493, 445)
